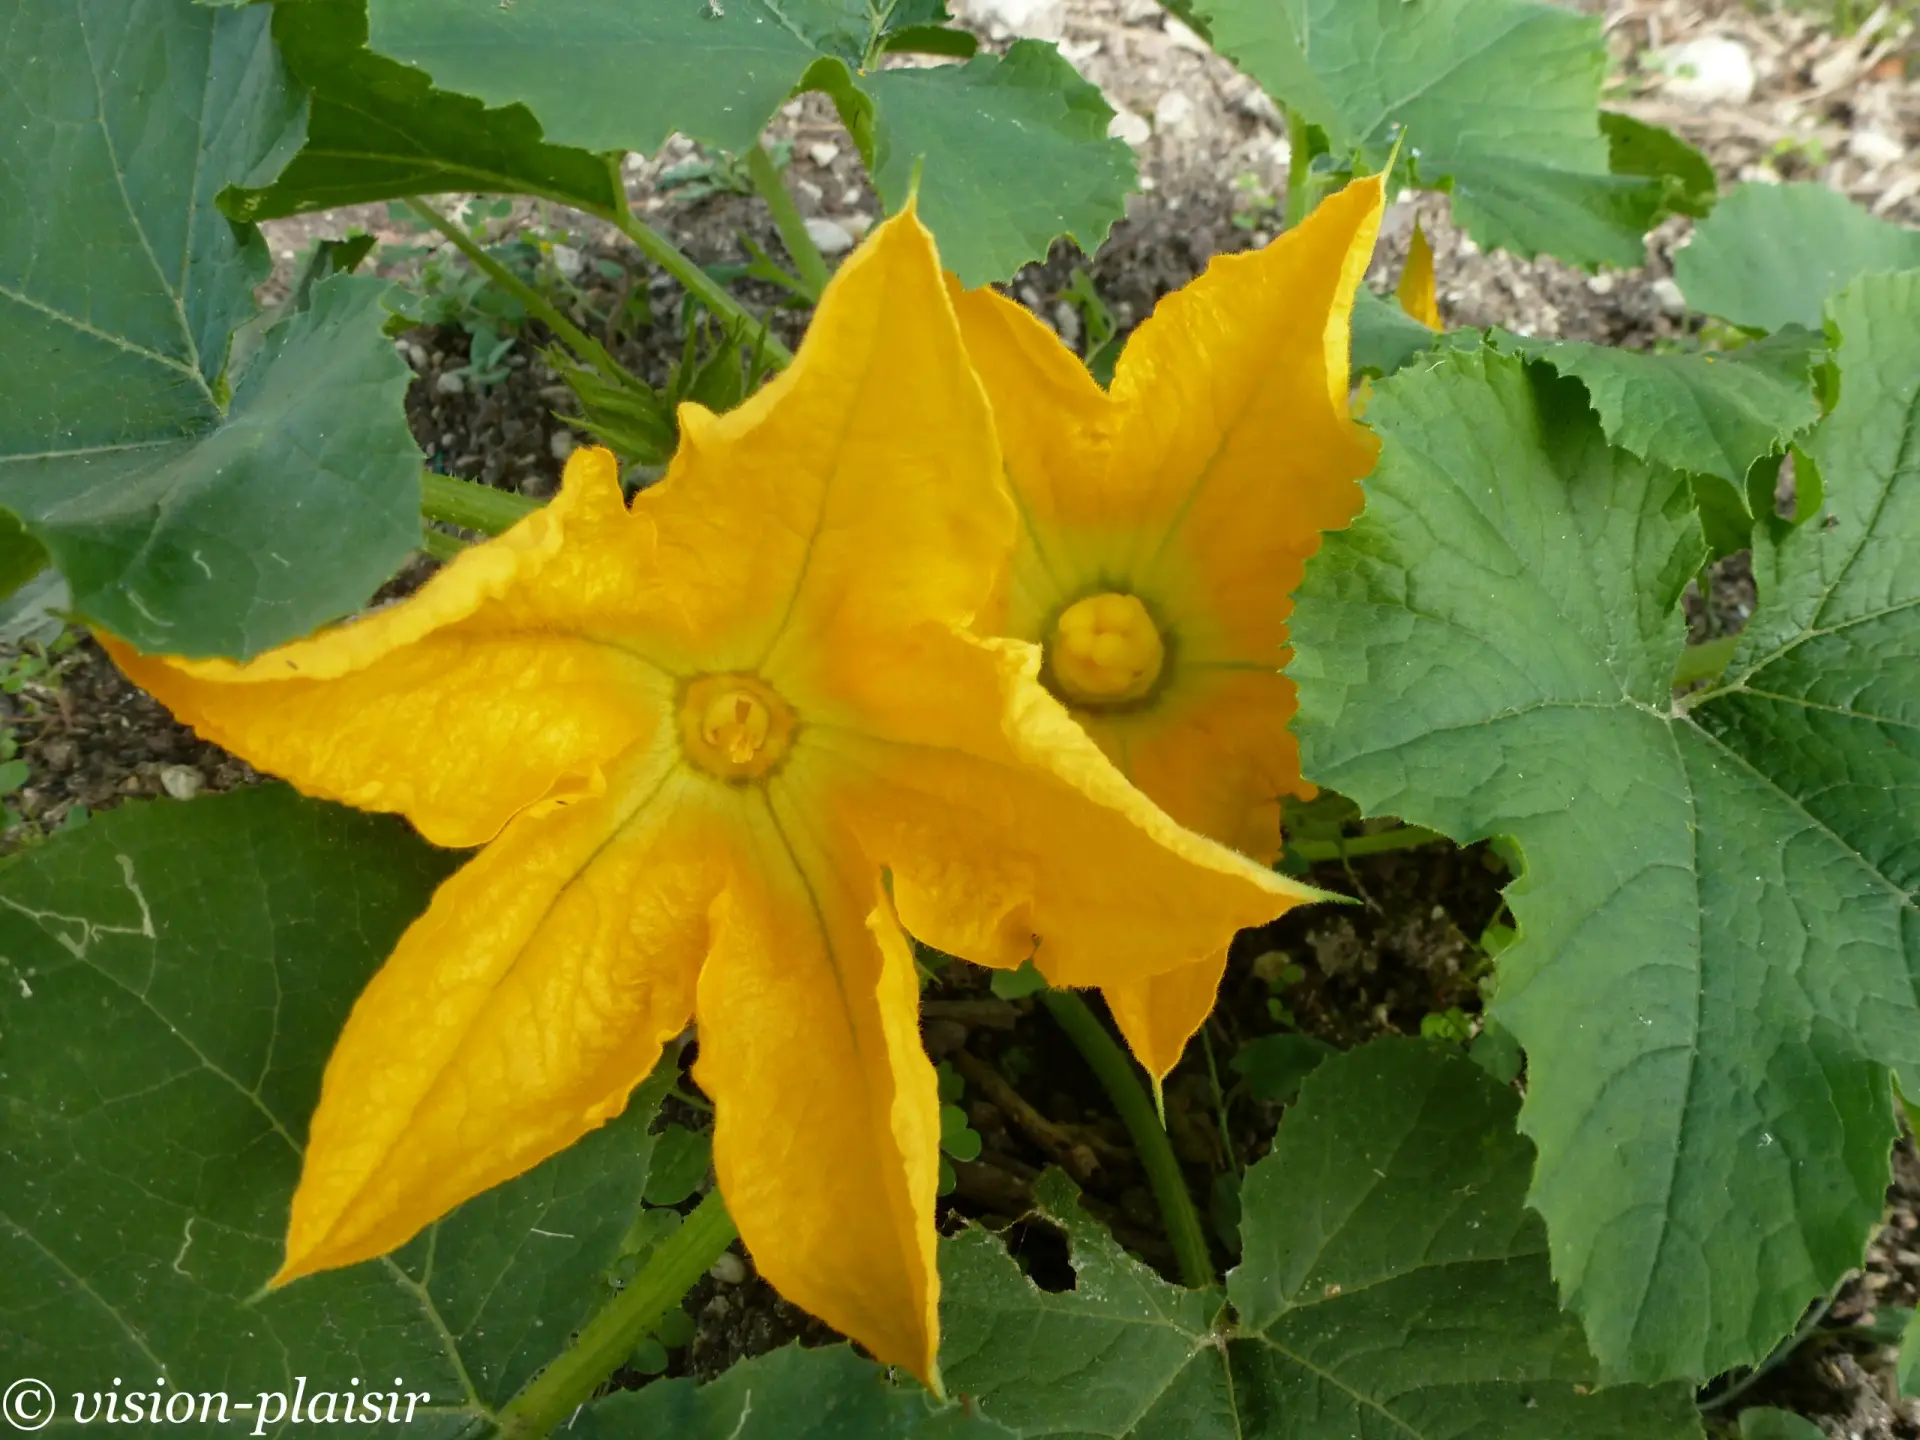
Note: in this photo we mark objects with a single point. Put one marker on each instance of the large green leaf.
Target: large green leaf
(1771, 255)
(1498, 101)
(174, 976)
(1719, 949)
(791, 1394)
(1013, 149)
(1712, 413)
(1393, 1284)
(182, 522)
(377, 130)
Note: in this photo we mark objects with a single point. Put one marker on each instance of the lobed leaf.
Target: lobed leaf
(1717, 958)
(1714, 413)
(1012, 152)
(1393, 1283)
(1012, 149)
(790, 1394)
(377, 130)
(1772, 255)
(173, 978)
(1498, 101)
(183, 522)
(1385, 337)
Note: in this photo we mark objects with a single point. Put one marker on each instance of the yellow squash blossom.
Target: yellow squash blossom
(1416, 288)
(694, 735)
(1166, 524)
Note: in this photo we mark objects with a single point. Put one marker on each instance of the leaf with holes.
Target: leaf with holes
(377, 130)
(1772, 255)
(1498, 101)
(1393, 1283)
(188, 522)
(173, 978)
(1719, 946)
(1012, 149)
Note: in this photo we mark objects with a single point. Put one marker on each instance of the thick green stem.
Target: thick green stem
(677, 263)
(584, 345)
(1401, 837)
(439, 545)
(1299, 172)
(471, 506)
(806, 256)
(609, 1337)
(1111, 1067)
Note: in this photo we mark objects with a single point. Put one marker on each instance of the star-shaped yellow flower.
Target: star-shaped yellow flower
(694, 735)
(1166, 524)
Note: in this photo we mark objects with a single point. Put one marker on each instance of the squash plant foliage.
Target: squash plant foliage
(1715, 973)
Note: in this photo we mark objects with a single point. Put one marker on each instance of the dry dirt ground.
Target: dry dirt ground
(1810, 102)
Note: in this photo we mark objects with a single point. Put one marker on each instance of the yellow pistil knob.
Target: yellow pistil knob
(734, 726)
(1106, 650)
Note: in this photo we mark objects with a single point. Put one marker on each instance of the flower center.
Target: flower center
(1106, 650)
(734, 727)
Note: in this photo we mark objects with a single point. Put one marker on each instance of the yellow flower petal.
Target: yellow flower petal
(1052, 416)
(511, 677)
(1234, 435)
(1216, 753)
(1416, 290)
(827, 1113)
(516, 1014)
(1010, 835)
(1160, 1014)
(855, 490)
(1198, 487)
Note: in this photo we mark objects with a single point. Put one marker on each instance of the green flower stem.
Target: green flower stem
(677, 263)
(471, 506)
(439, 545)
(584, 345)
(806, 256)
(608, 1339)
(1300, 197)
(1114, 1070)
(1403, 837)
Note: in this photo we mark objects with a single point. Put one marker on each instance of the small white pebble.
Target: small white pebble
(823, 154)
(1066, 323)
(1874, 149)
(182, 782)
(1174, 112)
(1129, 127)
(450, 383)
(562, 443)
(1668, 294)
(857, 224)
(1600, 284)
(1185, 36)
(729, 1269)
(831, 236)
(568, 261)
(1712, 70)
